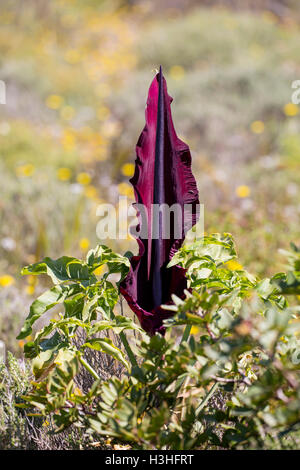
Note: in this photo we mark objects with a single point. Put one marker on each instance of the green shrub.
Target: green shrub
(233, 383)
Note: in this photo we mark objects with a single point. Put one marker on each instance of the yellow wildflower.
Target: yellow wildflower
(6, 280)
(64, 174)
(21, 344)
(194, 330)
(54, 101)
(84, 178)
(68, 140)
(291, 109)
(25, 170)
(233, 265)
(177, 72)
(30, 290)
(84, 244)
(243, 191)
(91, 192)
(125, 189)
(257, 127)
(128, 169)
(283, 339)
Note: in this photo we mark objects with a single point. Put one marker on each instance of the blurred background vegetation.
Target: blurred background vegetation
(77, 74)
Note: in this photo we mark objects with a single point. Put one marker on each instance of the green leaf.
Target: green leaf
(44, 302)
(103, 255)
(106, 346)
(63, 269)
(265, 288)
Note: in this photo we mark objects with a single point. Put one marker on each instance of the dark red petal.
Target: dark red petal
(162, 176)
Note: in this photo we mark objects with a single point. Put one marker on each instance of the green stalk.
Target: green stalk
(128, 349)
(206, 398)
(125, 342)
(89, 368)
(185, 337)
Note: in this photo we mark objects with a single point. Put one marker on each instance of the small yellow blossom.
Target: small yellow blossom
(25, 170)
(283, 339)
(30, 290)
(84, 178)
(68, 140)
(54, 101)
(125, 189)
(46, 423)
(291, 109)
(21, 344)
(128, 169)
(67, 113)
(177, 72)
(91, 192)
(6, 280)
(64, 174)
(233, 265)
(257, 127)
(243, 191)
(84, 244)
(194, 330)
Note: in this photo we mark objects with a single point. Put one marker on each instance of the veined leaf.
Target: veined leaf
(106, 346)
(63, 269)
(103, 255)
(44, 302)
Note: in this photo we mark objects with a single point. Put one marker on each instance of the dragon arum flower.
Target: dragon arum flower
(162, 178)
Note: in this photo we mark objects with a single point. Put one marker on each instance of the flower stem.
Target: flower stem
(128, 349)
(125, 342)
(89, 368)
(207, 398)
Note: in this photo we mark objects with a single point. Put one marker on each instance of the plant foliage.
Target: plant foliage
(234, 383)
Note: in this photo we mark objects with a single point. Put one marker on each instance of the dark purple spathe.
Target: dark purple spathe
(162, 176)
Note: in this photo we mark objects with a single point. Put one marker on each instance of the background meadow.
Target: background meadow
(77, 74)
